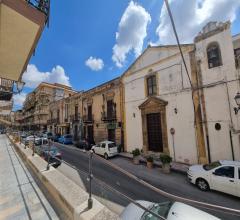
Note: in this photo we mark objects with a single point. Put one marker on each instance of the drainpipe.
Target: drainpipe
(231, 120)
(203, 107)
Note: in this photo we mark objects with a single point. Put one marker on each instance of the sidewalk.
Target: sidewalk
(177, 167)
(20, 197)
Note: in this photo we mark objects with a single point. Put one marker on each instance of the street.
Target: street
(175, 183)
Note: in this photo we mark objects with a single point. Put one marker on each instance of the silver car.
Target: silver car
(167, 210)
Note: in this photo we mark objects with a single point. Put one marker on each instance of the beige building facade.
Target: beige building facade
(36, 106)
(94, 115)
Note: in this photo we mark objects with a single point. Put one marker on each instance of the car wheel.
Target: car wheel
(202, 184)
(106, 156)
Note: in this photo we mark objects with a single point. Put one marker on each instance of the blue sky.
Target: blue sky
(82, 29)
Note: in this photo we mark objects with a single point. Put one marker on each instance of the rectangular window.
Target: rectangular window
(237, 57)
(90, 113)
(110, 109)
(151, 85)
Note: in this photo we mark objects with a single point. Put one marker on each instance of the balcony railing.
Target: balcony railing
(75, 118)
(109, 116)
(53, 121)
(41, 5)
(6, 89)
(88, 118)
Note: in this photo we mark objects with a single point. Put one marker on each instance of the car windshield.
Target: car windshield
(111, 145)
(68, 136)
(212, 165)
(160, 209)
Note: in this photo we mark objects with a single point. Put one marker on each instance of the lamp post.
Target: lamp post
(237, 100)
(90, 176)
(19, 87)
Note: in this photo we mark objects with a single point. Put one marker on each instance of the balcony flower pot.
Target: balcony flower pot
(166, 160)
(136, 156)
(150, 162)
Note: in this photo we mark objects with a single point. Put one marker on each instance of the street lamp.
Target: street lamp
(237, 100)
(19, 87)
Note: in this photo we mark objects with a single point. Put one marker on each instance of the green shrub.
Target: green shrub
(150, 159)
(166, 159)
(136, 152)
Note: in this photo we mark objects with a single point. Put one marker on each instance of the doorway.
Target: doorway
(154, 132)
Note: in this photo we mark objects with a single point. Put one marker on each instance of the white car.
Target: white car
(167, 210)
(106, 149)
(221, 175)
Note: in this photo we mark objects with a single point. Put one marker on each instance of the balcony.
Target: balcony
(53, 121)
(109, 116)
(21, 25)
(42, 112)
(88, 118)
(75, 118)
(41, 5)
(6, 89)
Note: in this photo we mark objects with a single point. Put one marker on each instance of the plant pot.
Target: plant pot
(166, 168)
(149, 165)
(136, 160)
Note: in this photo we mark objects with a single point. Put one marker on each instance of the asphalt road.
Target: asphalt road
(174, 183)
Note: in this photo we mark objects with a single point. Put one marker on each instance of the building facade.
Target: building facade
(187, 114)
(36, 105)
(94, 115)
(21, 25)
(101, 113)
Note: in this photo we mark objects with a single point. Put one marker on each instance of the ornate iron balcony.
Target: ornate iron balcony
(41, 5)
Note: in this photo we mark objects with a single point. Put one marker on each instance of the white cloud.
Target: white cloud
(19, 99)
(94, 64)
(132, 30)
(33, 77)
(191, 15)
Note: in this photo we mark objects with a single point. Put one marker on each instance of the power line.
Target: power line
(176, 35)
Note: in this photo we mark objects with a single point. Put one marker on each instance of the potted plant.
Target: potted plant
(166, 160)
(136, 154)
(150, 162)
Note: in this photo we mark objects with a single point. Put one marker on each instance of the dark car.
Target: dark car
(56, 137)
(55, 156)
(65, 139)
(83, 144)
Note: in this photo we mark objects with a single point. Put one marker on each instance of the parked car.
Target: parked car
(29, 139)
(56, 137)
(221, 175)
(168, 210)
(41, 141)
(106, 149)
(83, 144)
(55, 156)
(48, 135)
(65, 139)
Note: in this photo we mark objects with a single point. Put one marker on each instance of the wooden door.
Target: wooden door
(154, 131)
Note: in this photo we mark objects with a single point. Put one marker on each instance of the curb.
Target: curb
(67, 196)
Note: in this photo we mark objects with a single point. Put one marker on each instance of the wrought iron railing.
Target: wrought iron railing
(41, 5)
(109, 116)
(88, 118)
(6, 89)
